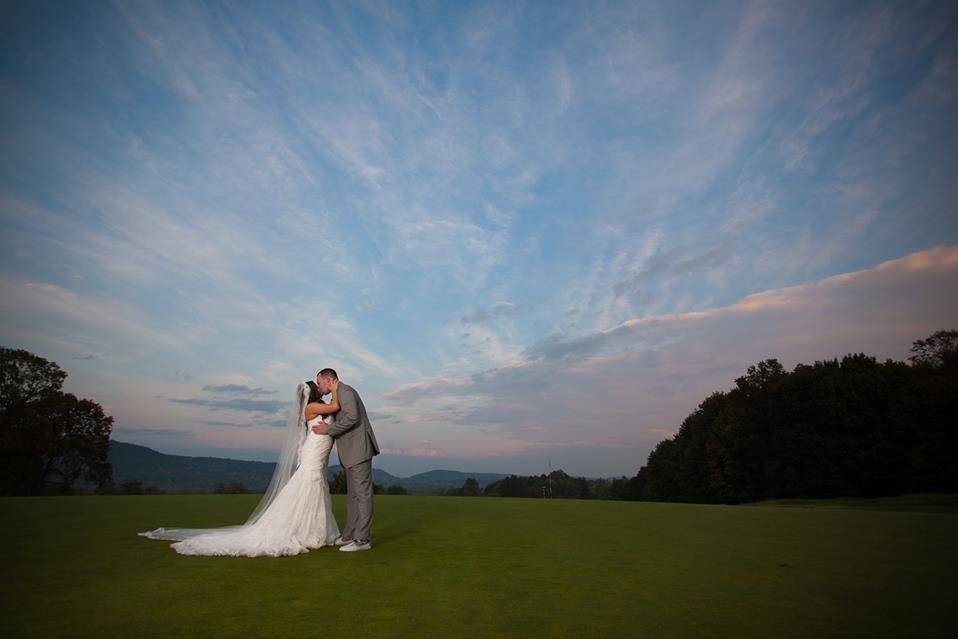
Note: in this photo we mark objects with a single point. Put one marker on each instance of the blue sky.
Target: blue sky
(521, 230)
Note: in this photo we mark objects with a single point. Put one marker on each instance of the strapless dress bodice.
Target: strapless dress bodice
(314, 452)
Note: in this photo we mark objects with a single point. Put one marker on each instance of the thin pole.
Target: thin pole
(550, 476)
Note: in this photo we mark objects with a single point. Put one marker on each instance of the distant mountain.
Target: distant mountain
(379, 476)
(433, 480)
(181, 473)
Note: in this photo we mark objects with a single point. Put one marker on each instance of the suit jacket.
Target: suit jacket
(351, 430)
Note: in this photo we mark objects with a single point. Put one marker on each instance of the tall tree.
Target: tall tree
(940, 349)
(48, 438)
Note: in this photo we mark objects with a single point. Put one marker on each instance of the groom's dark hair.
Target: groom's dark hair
(327, 372)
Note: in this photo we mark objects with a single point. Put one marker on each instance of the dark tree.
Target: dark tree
(231, 489)
(48, 439)
(584, 491)
(517, 486)
(854, 427)
(940, 349)
(132, 487)
(338, 484)
(556, 484)
(396, 489)
(606, 488)
(469, 489)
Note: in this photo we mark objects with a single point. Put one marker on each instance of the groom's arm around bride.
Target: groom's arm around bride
(351, 429)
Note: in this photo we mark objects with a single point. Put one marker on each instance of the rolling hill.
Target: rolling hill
(182, 473)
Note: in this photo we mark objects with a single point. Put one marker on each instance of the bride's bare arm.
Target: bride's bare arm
(318, 408)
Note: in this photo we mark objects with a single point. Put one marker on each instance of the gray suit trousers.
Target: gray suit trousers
(359, 501)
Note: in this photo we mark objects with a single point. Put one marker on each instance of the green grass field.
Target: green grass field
(487, 567)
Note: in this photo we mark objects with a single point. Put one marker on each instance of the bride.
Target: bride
(295, 513)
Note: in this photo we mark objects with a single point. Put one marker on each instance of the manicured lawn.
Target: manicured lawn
(485, 567)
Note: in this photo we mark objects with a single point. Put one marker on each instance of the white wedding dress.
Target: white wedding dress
(299, 519)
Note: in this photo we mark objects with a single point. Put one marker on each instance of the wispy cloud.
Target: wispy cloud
(238, 389)
(236, 403)
(628, 385)
(501, 309)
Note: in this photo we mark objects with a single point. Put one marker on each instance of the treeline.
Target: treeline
(855, 427)
(137, 487)
(132, 487)
(849, 427)
(555, 484)
(338, 486)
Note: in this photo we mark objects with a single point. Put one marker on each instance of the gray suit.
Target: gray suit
(356, 445)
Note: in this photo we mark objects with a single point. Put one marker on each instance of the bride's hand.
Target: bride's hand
(335, 386)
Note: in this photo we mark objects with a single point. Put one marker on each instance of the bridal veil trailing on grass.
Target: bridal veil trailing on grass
(295, 513)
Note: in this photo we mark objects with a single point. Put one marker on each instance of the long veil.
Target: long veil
(294, 436)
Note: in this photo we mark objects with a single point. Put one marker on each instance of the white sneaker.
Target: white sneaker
(353, 547)
(342, 542)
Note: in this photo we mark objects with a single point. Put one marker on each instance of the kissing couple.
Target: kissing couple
(295, 514)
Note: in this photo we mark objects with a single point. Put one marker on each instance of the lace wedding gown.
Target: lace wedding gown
(298, 520)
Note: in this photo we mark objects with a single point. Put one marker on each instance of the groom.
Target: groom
(356, 444)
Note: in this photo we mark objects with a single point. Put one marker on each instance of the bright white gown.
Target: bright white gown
(298, 520)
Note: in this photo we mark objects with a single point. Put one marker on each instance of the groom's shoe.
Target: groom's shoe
(354, 546)
(342, 542)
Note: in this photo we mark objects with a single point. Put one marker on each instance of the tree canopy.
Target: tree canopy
(48, 439)
(849, 427)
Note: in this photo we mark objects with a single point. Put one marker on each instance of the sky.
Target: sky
(525, 232)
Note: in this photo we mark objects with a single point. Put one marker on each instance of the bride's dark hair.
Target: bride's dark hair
(314, 393)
